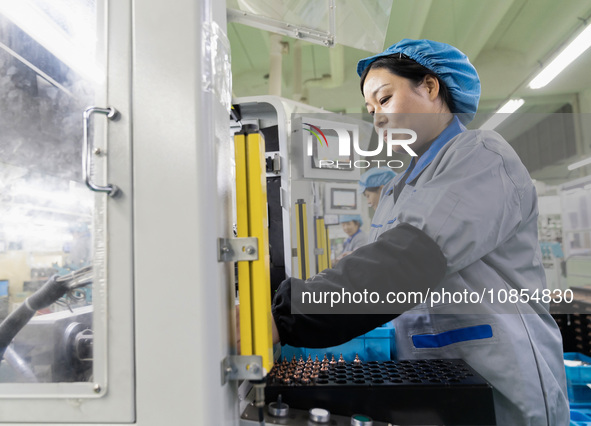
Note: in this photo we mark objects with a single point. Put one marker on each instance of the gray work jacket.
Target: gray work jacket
(472, 195)
(354, 242)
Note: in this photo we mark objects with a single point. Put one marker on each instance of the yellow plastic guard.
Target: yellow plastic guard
(260, 280)
(328, 251)
(242, 232)
(302, 231)
(321, 241)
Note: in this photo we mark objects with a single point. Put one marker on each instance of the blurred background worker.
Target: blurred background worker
(372, 182)
(351, 224)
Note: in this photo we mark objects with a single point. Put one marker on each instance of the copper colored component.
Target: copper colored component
(286, 381)
(357, 360)
(305, 381)
(341, 360)
(333, 361)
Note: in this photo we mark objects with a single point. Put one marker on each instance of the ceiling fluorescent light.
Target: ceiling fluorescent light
(568, 55)
(502, 114)
(578, 164)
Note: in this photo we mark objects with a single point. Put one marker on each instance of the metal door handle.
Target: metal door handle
(112, 114)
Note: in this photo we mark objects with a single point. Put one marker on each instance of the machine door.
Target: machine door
(65, 208)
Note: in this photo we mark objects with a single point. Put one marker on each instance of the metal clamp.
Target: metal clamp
(273, 164)
(112, 114)
(238, 249)
(242, 367)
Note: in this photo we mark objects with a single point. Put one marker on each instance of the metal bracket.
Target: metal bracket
(238, 249)
(276, 164)
(242, 367)
(273, 164)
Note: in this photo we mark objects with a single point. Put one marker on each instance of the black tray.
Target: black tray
(417, 392)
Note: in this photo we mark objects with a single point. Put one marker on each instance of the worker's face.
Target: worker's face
(350, 228)
(373, 198)
(398, 103)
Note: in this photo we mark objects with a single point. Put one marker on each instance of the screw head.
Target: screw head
(97, 388)
(250, 250)
(97, 151)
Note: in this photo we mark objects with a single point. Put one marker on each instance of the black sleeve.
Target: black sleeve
(403, 259)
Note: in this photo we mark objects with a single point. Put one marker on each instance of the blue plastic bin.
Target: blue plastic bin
(377, 345)
(580, 375)
(577, 378)
(580, 417)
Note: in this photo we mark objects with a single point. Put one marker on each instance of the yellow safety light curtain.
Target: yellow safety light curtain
(328, 251)
(319, 251)
(321, 243)
(259, 273)
(302, 231)
(243, 232)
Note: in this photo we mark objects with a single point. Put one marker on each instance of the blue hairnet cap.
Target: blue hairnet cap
(350, 217)
(448, 63)
(375, 177)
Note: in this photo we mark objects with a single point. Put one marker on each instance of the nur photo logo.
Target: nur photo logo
(349, 137)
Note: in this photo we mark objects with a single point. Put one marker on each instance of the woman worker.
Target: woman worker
(351, 224)
(462, 218)
(372, 182)
(370, 185)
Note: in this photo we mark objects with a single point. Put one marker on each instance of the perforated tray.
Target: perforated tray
(402, 392)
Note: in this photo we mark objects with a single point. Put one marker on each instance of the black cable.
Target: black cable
(52, 290)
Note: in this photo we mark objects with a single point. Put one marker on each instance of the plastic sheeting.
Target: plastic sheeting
(217, 67)
(359, 24)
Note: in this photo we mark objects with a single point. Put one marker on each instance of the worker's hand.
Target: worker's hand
(347, 253)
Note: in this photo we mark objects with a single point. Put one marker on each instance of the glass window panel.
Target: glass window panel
(48, 76)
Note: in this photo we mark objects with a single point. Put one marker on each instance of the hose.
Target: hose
(19, 365)
(49, 293)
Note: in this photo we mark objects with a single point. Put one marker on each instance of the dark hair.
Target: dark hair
(403, 66)
(373, 189)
